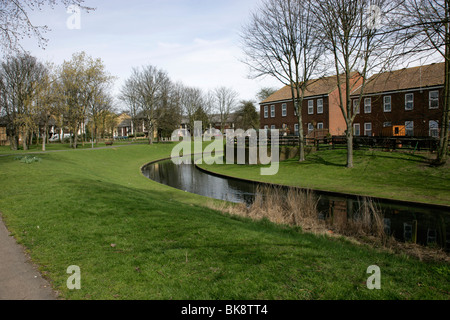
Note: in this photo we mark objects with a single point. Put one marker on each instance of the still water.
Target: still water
(424, 224)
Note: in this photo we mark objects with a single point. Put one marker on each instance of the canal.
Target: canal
(427, 225)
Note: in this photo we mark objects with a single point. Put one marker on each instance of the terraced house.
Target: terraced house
(320, 110)
(410, 99)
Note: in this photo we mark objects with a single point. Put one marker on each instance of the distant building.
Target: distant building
(411, 98)
(124, 126)
(320, 110)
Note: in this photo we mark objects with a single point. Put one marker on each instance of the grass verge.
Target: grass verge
(135, 239)
(391, 175)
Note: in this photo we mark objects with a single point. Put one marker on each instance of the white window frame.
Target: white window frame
(272, 111)
(266, 127)
(432, 99)
(367, 130)
(273, 127)
(266, 112)
(385, 104)
(310, 127)
(434, 128)
(284, 110)
(320, 125)
(296, 128)
(387, 124)
(409, 127)
(356, 107)
(409, 101)
(310, 106)
(320, 106)
(368, 105)
(356, 132)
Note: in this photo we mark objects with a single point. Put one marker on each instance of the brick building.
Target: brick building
(320, 110)
(411, 97)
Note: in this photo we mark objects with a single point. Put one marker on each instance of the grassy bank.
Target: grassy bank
(400, 176)
(136, 239)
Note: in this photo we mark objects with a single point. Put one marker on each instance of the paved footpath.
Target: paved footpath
(19, 278)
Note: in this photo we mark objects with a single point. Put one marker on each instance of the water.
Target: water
(423, 224)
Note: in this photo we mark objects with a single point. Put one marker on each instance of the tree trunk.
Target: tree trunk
(349, 146)
(443, 141)
(301, 141)
(24, 139)
(44, 137)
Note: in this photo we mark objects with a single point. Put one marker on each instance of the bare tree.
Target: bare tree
(353, 35)
(20, 77)
(281, 42)
(130, 96)
(15, 23)
(47, 101)
(191, 101)
(424, 28)
(150, 85)
(225, 103)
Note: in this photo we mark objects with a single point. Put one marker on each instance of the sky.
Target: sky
(196, 42)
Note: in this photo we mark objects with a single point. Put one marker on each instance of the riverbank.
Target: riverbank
(389, 175)
(136, 239)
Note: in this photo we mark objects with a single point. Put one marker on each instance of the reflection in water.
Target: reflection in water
(426, 225)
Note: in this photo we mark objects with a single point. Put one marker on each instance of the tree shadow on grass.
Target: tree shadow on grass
(317, 159)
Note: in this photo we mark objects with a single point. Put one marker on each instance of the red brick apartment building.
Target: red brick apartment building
(320, 108)
(411, 97)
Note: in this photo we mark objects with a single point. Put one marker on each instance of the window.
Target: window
(357, 129)
(434, 99)
(296, 128)
(311, 107)
(266, 127)
(273, 127)
(284, 110)
(310, 127)
(434, 129)
(368, 105)
(272, 111)
(266, 112)
(387, 124)
(409, 128)
(368, 129)
(409, 101)
(387, 104)
(320, 125)
(320, 106)
(356, 106)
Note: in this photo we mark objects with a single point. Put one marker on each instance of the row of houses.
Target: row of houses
(125, 126)
(410, 98)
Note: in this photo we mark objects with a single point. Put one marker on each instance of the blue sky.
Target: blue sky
(195, 41)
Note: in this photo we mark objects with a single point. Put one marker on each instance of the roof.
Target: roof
(407, 78)
(317, 87)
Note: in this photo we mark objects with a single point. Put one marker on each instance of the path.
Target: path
(19, 278)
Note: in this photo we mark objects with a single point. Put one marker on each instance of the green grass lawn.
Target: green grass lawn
(136, 239)
(392, 175)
